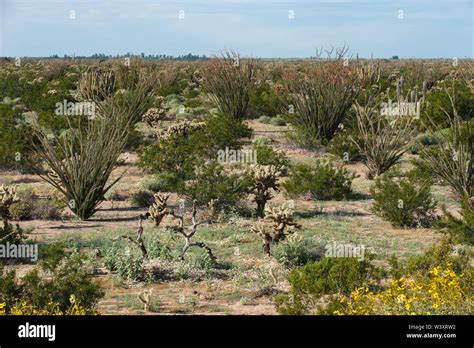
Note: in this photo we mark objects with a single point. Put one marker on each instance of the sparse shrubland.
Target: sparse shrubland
(172, 222)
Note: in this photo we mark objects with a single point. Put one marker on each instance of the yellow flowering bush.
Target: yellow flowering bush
(24, 308)
(441, 291)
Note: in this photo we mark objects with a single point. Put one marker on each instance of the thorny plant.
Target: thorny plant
(80, 162)
(381, 141)
(264, 180)
(228, 81)
(283, 224)
(452, 161)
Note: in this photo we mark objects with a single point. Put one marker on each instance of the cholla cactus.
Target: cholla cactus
(260, 229)
(283, 220)
(264, 179)
(196, 78)
(145, 298)
(7, 198)
(283, 225)
(181, 129)
(158, 210)
(154, 115)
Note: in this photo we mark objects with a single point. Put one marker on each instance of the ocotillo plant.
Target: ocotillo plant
(80, 161)
(317, 99)
(453, 159)
(228, 82)
(382, 142)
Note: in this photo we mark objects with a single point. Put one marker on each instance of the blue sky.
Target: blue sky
(258, 28)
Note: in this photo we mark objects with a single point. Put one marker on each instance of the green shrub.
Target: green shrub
(460, 229)
(156, 249)
(302, 139)
(278, 121)
(47, 209)
(438, 254)
(142, 198)
(21, 210)
(438, 103)
(265, 119)
(224, 131)
(12, 234)
(328, 276)
(112, 195)
(30, 206)
(127, 263)
(163, 182)
(14, 138)
(439, 281)
(343, 146)
(292, 253)
(190, 93)
(266, 155)
(183, 153)
(406, 202)
(322, 181)
(264, 101)
(60, 278)
(423, 140)
(212, 183)
(179, 150)
(201, 260)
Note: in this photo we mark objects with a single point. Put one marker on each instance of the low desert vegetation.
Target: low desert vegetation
(237, 185)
